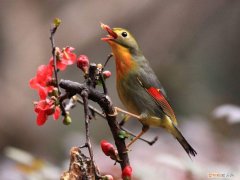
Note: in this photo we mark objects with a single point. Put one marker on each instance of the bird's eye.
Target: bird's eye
(124, 34)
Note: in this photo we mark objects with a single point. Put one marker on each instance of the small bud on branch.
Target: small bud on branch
(106, 74)
(57, 22)
(83, 63)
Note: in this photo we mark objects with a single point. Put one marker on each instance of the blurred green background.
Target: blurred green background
(193, 46)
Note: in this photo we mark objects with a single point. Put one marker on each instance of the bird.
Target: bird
(139, 89)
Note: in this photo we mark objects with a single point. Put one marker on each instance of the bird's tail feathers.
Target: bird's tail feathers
(178, 135)
(186, 146)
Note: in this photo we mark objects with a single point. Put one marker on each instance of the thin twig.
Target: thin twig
(84, 95)
(91, 81)
(100, 113)
(53, 31)
(108, 58)
(105, 91)
(101, 75)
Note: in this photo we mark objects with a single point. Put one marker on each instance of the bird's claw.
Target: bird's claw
(153, 141)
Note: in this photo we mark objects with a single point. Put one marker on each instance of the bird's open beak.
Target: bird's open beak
(111, 34)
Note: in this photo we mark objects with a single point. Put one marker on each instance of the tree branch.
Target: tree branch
(52, 33)
(108, 58)
(105, 103)
(88, 144)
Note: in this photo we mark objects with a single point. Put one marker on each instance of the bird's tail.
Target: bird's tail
(178, 135)
(186, 146)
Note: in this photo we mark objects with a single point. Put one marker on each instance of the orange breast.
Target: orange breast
(124, 62)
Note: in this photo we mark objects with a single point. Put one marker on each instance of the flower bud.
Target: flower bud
(107, 147)
(54, 93)
(67, 120)
(83, 63)
(127, 173)
(106, 74)
(123, 134)
(107, 177)
(109, 150)
(56, 22)
(99, 66)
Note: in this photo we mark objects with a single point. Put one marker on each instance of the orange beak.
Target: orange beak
(111, 34)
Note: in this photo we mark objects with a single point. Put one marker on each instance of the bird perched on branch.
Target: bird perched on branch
(139, 88)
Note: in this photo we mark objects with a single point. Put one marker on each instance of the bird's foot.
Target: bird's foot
(153, 141)
(117, 109)
(127, 113)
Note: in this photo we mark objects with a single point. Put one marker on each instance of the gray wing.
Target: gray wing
(149, 78)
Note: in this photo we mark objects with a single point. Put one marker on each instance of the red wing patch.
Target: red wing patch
(162, 102)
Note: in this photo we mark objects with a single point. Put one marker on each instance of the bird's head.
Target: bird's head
(120, 36)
